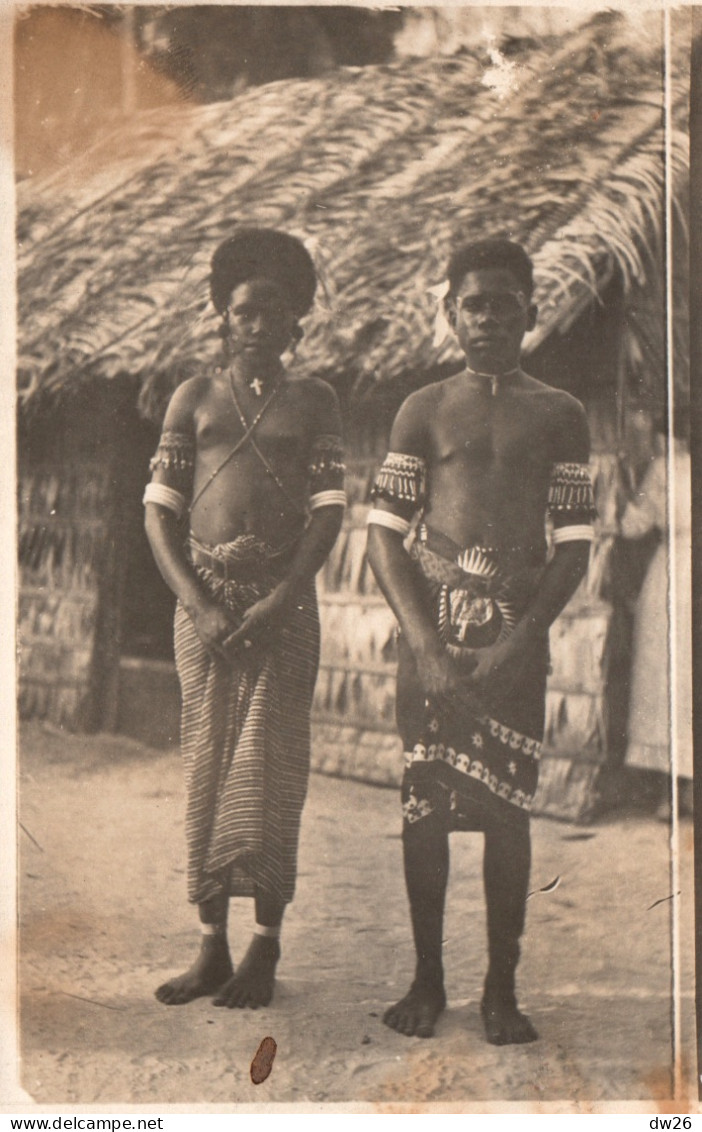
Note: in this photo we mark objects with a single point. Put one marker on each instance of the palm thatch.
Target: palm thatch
(379, 170)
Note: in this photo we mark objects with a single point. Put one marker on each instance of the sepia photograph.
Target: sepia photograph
(353, 511)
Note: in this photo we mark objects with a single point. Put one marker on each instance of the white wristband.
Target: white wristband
(166, 497)
(327, 499)
(582, 533)
(389, 520)
(213, 929)
(267, 932)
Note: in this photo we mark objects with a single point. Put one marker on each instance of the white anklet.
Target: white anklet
(268, 933)
(213, 929)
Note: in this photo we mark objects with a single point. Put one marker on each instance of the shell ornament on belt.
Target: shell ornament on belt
(478, 613)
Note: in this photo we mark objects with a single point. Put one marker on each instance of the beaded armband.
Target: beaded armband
(401, 479)
(176, 450)
(571, 500)
(326, 467)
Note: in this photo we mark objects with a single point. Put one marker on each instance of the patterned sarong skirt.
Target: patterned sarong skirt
(474, 759)
(245, 735)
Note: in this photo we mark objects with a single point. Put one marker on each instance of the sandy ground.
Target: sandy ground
(104, 919)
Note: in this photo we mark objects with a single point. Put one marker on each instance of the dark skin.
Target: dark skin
(488, 456)
(241, 499)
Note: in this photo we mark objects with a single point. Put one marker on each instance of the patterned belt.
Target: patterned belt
(509, 574)
(506, 557)
(438, 569)
(244, 564)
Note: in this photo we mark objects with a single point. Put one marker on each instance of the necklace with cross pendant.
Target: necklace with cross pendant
(256, 385)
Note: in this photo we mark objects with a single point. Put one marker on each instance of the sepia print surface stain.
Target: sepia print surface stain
(661, 1084)
(263, 1061)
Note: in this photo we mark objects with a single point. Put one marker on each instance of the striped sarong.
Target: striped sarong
(245, 736)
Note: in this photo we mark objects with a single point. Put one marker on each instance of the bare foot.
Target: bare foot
(210, 970)
(417, 1012)
(253, 983)
(504, 1022)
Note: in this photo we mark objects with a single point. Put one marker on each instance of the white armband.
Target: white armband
(582, 532)
(327, 499)
(167, 497)
(391, 521)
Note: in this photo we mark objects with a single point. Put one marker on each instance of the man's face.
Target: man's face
(490, 314)
(261, 321)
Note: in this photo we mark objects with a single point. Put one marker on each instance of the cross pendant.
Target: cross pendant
(257, 386)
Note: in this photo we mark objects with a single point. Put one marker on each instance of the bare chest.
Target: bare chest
(484, 432)
(276, 428)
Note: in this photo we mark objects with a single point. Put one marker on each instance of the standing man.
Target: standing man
(244, 506)
(480, 458)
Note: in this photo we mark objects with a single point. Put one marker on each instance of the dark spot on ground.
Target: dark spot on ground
(263, 1061)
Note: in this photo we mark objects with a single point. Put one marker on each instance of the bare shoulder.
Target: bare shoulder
(567, 421)
(429, 396)
(314, 391)
(410, 430)
(560, 401)
(319, 402)
(560, 405)
(183, 406)
(568, 414)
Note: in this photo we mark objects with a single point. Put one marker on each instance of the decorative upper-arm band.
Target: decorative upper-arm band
(401, 478)
(570, 490)
(326, 466)
(578, 532)
(175, 450)
(327, 499)
(389, 520)
(167, 497)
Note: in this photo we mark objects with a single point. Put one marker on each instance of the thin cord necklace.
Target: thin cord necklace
(248, 436)
(250, 427)
(256, 385)
(493, 378)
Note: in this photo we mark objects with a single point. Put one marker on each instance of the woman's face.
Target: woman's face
(260, 321)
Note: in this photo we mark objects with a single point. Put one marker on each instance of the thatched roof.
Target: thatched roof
(380, 170)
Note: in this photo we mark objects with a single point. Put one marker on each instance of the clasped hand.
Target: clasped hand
(500, 660)
(444, 678)
(226, 636)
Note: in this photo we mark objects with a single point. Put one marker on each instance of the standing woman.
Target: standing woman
(244, 506)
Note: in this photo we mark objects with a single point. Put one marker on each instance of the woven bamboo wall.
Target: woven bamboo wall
(76, 467)
(63, 533)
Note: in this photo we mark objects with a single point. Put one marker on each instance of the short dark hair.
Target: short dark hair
(491, 253)
(267, 253)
